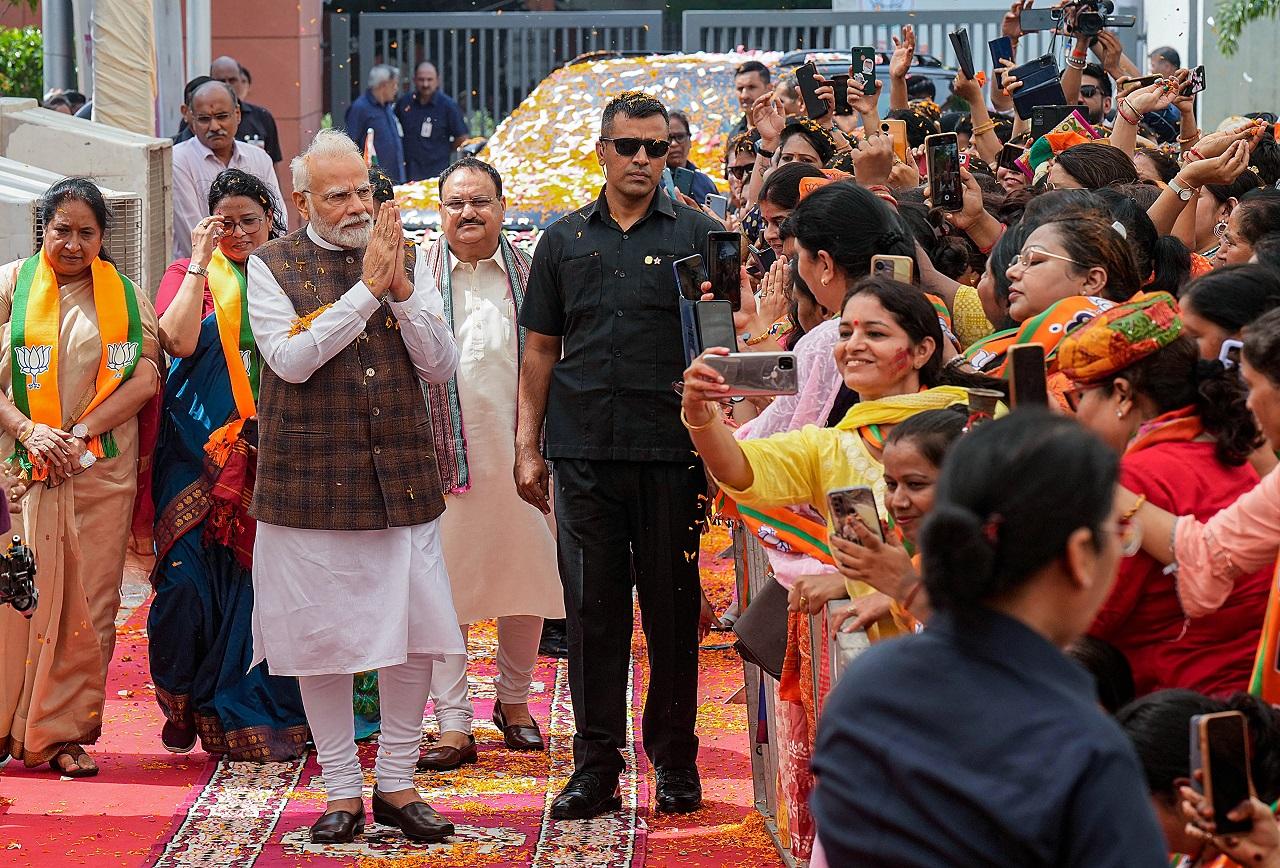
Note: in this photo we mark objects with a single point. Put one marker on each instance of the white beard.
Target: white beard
(355, 237)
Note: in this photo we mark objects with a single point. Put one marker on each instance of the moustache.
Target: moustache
(472, 223)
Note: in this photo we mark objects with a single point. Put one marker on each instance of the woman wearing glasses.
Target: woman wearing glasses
(203, 470)
(1070, 270)
(1184, 433)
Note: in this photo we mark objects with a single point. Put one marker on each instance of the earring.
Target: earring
(1119, 414)
(826, 280)
(1220, 230)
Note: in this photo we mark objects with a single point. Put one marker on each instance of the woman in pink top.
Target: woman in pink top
(1209, 556)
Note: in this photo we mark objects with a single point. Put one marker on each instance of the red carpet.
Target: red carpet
(151, 808)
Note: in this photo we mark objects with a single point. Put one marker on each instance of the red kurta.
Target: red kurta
(1143, 618)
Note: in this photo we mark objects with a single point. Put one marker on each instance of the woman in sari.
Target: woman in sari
(199, 623)
(1185, 435)
(81, 342)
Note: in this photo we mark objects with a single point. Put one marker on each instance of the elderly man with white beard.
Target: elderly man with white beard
(349, 574)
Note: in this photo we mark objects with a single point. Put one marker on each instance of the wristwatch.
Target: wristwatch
(1184, 193)
(192, 268)
(80, 430)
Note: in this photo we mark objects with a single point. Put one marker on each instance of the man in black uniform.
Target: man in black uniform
(603, 350)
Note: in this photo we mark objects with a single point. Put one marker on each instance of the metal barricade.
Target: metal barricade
(821, 29)
(487, 61)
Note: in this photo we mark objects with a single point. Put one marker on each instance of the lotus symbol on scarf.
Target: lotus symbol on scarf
(120, 356)
(33, 361)
(246, 359)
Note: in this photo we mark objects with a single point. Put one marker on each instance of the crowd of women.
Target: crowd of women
(1135, 527)
(1133, 530)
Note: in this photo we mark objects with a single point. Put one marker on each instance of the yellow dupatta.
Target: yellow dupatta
(230, 310)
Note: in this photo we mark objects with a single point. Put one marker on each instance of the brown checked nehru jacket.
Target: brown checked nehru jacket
(350, 448)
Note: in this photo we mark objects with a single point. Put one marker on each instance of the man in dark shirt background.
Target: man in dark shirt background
(603, 349)
(257, 126)
(432, 123)
(750, 82)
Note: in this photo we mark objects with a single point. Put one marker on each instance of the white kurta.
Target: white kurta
(500, 551)
(333, 601)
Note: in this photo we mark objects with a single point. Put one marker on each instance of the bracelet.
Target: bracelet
(758, 339)
(985, 250)
(912, 594)
(1122, 108)
(1133, 510)
(761, 152)
(24, 432)
(984, 128)
(1076, 62)
(684, 420)
(1186, 140)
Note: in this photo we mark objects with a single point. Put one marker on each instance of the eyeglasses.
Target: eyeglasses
(678, 138)
(1088, 91)
(1027, 257)
(627, 147)
(457, 206)
(205, 120)
(1129, 532)
(335, 198)
(248, 224)
(741, 172)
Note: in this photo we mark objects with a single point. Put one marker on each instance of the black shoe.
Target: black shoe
(679, 791)
(554, 641)
(177, 738)
(338, 827)
(418, 820)
(586, 795)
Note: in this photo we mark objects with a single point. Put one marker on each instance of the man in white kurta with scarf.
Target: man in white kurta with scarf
(348, 570)
(500, 551)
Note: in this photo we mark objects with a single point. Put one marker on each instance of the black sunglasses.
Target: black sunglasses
(1088, 91)
(741, 172)
(627, 147)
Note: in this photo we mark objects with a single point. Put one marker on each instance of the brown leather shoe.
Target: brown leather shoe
(443, 758)
(517, 736)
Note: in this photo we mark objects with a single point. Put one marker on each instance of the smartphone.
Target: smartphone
(1049, 93)
(1196, 83)
(1001, 49)
(899, 268)
(668, 185)
(897, 129)
(840, 86)
(1009, 156)
(849, 505)
(724, 266)
(718, 204)
(1032, 20)
(964, 51)
(715, 325)
(942, 153)
(749, 374)
(683, 179)
(1035, 73)
(1045, 117)
(1220, 749)
(761, 260)
(1027, 386)
(1133, 84)
(862, 63)
(807, 79)
(690, 275)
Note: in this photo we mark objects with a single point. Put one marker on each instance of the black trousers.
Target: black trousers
(620, 521)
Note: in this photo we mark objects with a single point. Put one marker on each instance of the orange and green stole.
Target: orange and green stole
(1266, 666)
(1046, 329)
(244, 363)
(230, 465)
(35, 326)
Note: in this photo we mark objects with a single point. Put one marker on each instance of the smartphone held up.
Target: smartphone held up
(942, 155)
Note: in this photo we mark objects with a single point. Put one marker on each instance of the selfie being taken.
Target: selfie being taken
(796, 434)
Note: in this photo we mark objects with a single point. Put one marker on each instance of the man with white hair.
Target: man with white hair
(375, 110)
(349, 573)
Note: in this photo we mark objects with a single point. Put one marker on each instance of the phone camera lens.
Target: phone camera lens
(786, 363)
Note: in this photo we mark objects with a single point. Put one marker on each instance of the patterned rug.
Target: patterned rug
(240, 814)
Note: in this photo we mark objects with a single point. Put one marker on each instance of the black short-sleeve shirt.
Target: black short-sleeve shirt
(611, 295)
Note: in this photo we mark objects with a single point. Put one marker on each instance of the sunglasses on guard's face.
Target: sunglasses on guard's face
(627, 147)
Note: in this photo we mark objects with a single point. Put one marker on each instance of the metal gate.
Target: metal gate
(818, 29)
(488, 62)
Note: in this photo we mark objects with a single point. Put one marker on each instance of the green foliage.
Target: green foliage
(1233, 15)
(479, 123)
(21, 62)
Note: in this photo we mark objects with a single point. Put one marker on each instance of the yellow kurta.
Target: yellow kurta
(53, 668)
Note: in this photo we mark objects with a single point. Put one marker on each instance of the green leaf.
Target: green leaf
(21, 62)
(1233, 15)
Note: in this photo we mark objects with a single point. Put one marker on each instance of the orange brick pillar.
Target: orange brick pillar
(279, 42)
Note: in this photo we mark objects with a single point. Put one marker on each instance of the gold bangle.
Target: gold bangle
(684, 420)
(984, 128)
(1133, 510)
(23, 434)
